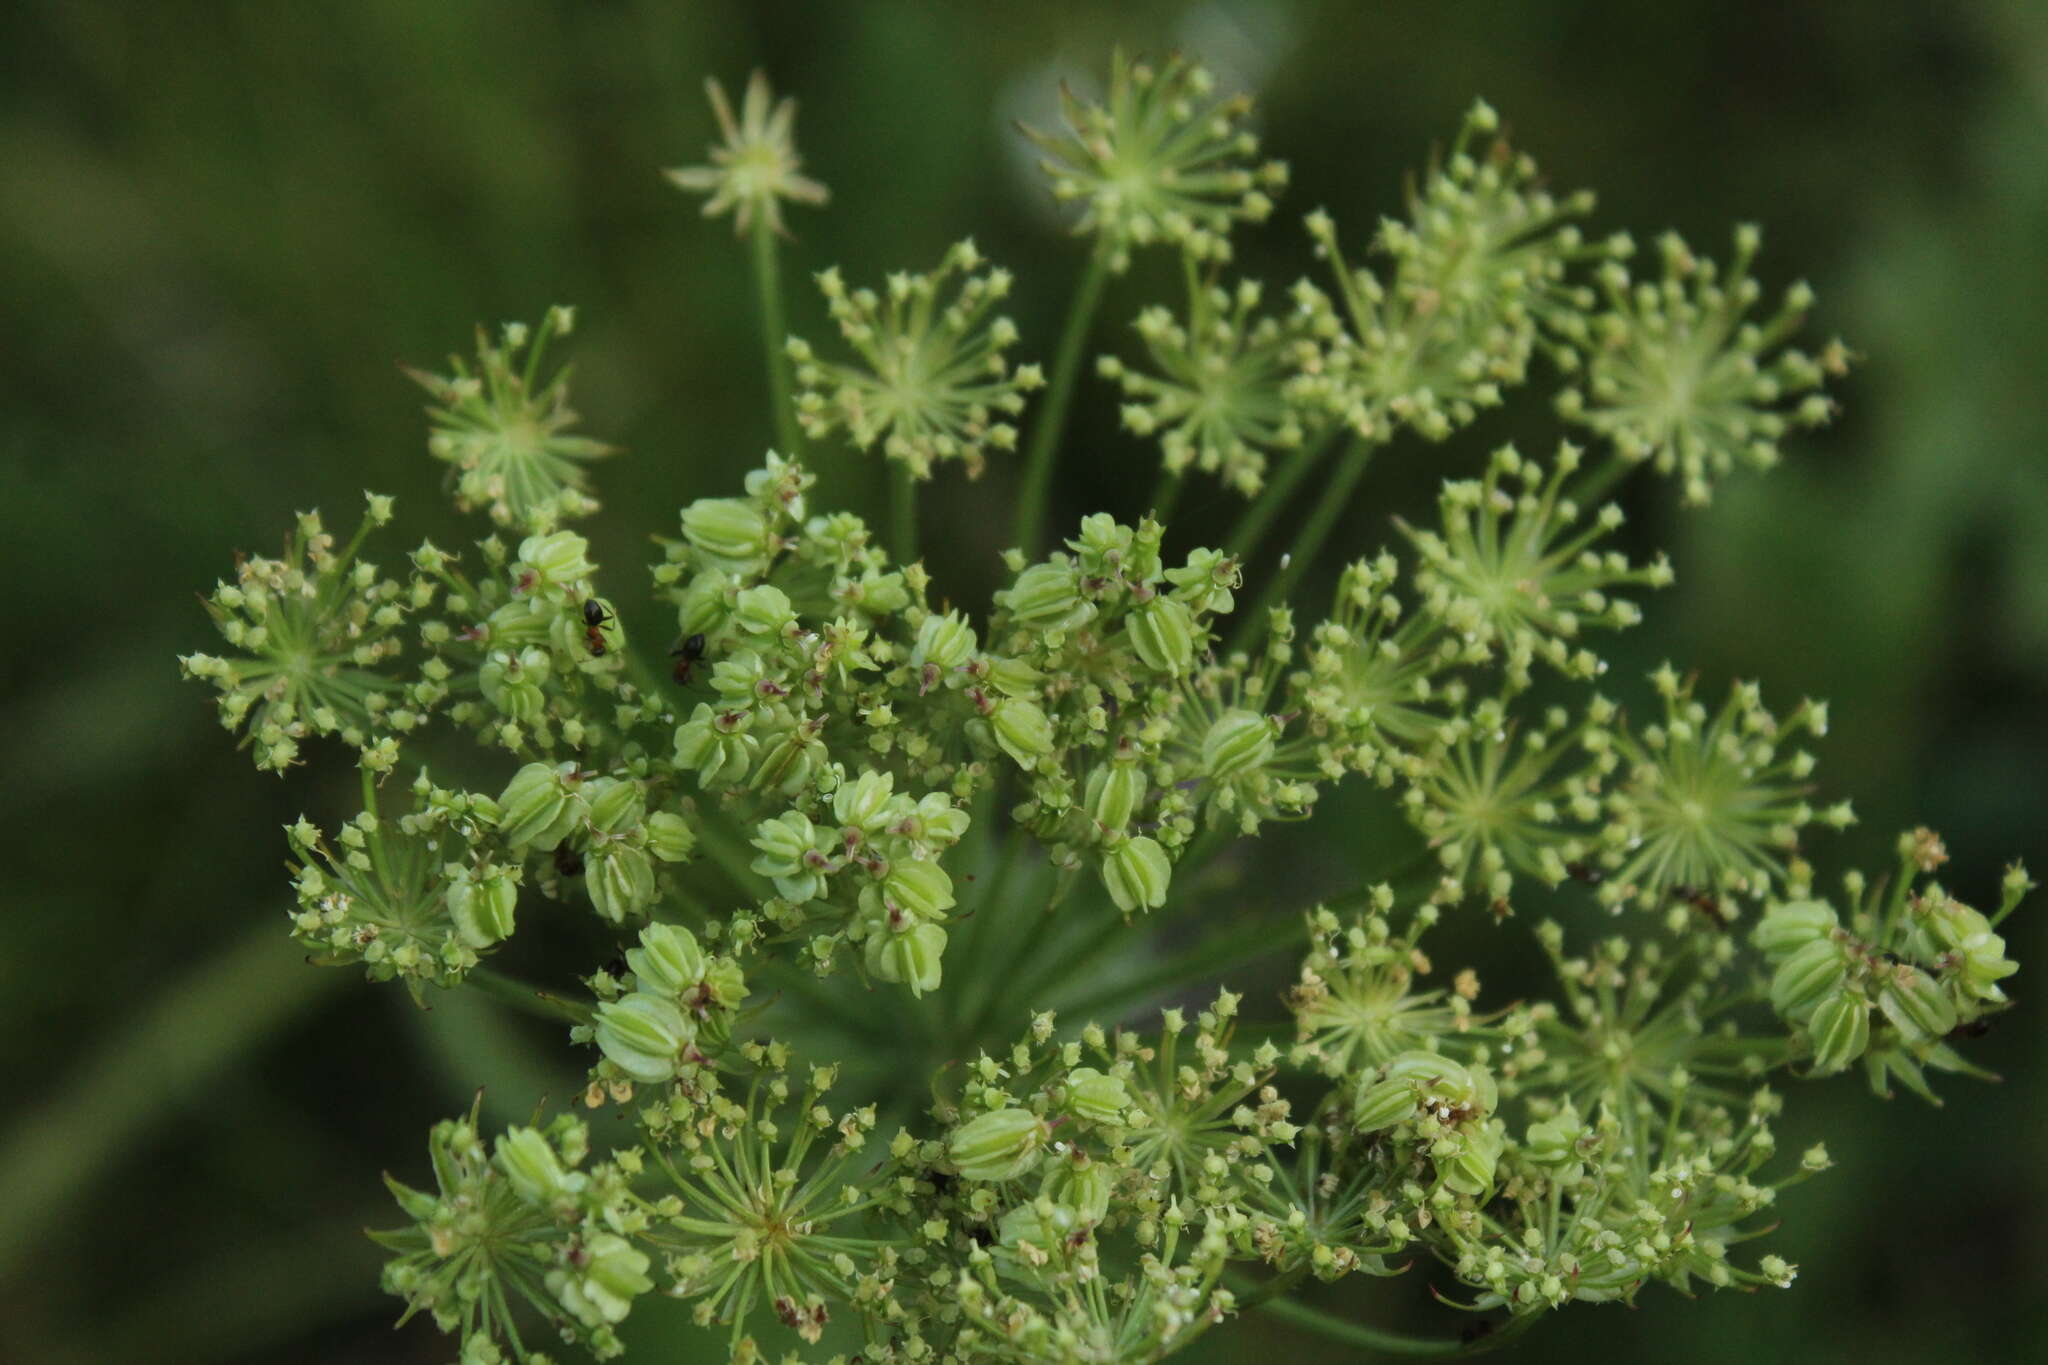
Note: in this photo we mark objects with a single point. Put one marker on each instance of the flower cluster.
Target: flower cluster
(858, 836)
(932, 384)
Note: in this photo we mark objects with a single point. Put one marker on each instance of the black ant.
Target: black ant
(1585, 872)
(688, 655)
(568, 862)
(594, 617)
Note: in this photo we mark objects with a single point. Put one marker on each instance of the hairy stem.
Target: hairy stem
(1034, 494)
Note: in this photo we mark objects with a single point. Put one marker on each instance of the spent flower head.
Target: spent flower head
(757, 166)
(1159, 159)
(1677, 376)
(507, 432)
(931, 383)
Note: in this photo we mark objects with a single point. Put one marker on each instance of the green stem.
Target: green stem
(1034, 494)
(903, 512)
(1379, 1339)
(1165, 494)
(1243, 540)
(245, 996)
(1598, 484)
(1197, 964)
(525, 997)
(1330, 505)
(768, 284)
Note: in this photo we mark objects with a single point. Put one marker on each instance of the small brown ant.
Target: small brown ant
(687, 655)
(1585, 872)
(594, 617)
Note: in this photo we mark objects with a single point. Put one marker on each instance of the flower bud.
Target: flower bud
(620, 881)
(1137, 873)
(537, 807)
(482, 906)
(669, 836)
(1096, 1097)
(1237, 742)
(1163, 634)
(910, 958)
(1840, 1028)
(728, 531)
(1114, 791)
(921, 889)
(1917, 1005)
(528, 1160)
(943, 641)
(1806, 976)
(643, 1035)
(1000, 1145)
(1790, 927)
(1022, 730)
(668, 960)
(1082, 1185)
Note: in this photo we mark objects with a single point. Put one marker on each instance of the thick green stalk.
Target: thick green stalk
(1165, 495)
(768, 284)
(1329, 507)
(1034, 494)
(1378, 1339)
(902, 512)
(1243, 540)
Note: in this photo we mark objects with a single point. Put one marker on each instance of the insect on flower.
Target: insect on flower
(687, 655)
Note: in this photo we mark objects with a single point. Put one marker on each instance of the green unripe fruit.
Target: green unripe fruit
(1114, 791)
(910, 957)
(863, 803)
(558, 558)
(1917, 1005)
(920, 889)
(1001, 1145)
(615, 805)
(1804, 978)
(620, 881)
(1238, 742)
(1788, 928)
(786, 843)
(1048, 597)
(482, 906)
(529, 1162)
(539, 806)
(643, 1035)
(1840, 1028)
(1096, 1097)
(668, 960)
(763, 610)
(1137, 873)
(943, 641)
(1082, 1185)
(1553, 1143)
(669, 836)
(1163, 634)
(730, 532)
(613, 1274)
(1469, 1168)
(1022, 730)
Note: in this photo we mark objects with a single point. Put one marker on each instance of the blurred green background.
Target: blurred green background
(224, 225)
